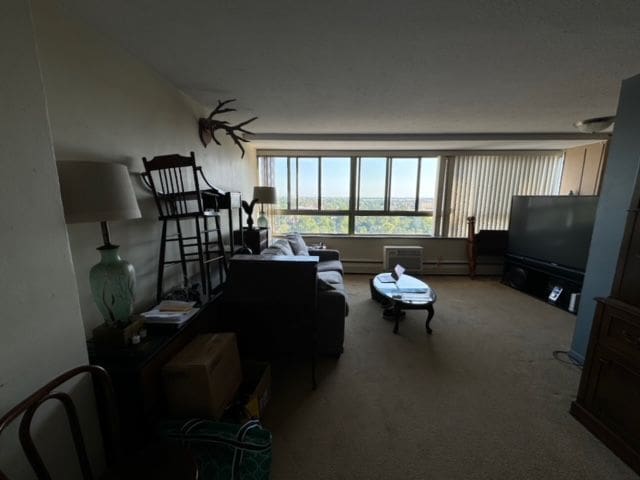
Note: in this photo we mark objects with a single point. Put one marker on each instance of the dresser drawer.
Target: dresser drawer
(621, 332)
(614, 396)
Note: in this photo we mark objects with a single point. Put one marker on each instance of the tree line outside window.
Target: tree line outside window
(402, 195)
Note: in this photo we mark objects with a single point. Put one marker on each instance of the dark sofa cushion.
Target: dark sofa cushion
(330, 277)
(323, 285)
(332, 300)
(336, 283)
(331, 266)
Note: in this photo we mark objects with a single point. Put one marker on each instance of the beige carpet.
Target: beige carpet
(483, 398)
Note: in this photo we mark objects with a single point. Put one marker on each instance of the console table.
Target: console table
(136, 372)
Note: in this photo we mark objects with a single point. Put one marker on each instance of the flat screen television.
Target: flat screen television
(552, 229)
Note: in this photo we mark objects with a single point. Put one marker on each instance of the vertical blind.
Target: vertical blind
(482, 186)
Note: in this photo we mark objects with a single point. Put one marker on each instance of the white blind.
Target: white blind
(482, 186)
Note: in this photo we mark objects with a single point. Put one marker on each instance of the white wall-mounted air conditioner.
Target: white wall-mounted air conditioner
(410, 257)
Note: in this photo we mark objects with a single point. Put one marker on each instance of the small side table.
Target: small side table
(257, 239)
(135, 371)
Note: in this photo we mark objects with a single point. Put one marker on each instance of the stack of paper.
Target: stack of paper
(170, 312)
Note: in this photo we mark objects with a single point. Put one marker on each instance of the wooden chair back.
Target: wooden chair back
(107, 416)
(173, 179)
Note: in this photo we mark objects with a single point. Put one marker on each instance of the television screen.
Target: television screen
(554, 229)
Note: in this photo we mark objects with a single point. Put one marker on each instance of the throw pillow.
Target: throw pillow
(283, 246)
(297, 244)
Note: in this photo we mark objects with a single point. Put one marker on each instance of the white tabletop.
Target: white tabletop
(407, 289)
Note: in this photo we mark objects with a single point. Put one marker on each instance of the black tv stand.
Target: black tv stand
(538, 278)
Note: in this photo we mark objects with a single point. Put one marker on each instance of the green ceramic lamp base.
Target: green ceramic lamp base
(113, 283)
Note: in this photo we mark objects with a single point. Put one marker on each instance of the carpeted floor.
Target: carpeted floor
(482, 398)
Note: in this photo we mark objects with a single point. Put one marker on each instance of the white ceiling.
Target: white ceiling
(386, 66)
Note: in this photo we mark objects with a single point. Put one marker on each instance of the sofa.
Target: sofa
(285, 294)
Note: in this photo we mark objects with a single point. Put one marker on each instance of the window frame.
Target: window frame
(442, 209)
(354, 192)
(308, 211)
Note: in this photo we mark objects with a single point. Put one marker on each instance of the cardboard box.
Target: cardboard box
(256, 387)
(203, 378)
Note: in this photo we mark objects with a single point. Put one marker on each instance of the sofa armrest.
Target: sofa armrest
(325, 254)
(332, 309)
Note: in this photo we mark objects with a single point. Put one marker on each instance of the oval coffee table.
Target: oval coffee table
(408, 293)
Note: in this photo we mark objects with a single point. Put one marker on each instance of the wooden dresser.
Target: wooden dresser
(608, 401)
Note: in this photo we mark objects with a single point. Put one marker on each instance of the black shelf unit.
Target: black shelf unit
(538, 279)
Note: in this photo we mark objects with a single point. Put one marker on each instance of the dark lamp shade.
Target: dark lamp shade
(96, 192)
(265, 194)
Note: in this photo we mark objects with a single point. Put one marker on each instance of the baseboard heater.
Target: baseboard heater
(410, 257)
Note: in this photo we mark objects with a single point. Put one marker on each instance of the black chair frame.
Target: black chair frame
(167, 176)
(107, 415)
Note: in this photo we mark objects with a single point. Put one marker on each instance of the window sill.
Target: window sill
(320, 236)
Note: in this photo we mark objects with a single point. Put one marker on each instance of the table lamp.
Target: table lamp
(102, 192)
(264, 195)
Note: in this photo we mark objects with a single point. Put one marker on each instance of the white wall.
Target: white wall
(105, 105)
(41, 332)
(615, 198)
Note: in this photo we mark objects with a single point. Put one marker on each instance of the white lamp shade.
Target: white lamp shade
(96, 192)
(265, 194)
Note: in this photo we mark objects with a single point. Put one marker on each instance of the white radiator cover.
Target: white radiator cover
(410, 257)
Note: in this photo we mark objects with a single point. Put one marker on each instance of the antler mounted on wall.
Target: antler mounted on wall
(209, 125)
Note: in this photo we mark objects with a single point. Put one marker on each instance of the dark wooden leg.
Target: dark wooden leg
(207, 254)
(225, 265)
(314, 384)
(397, 313)
(204, 288)
(429, 317)
(183, 257)
(163, 243)
(314, 347)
